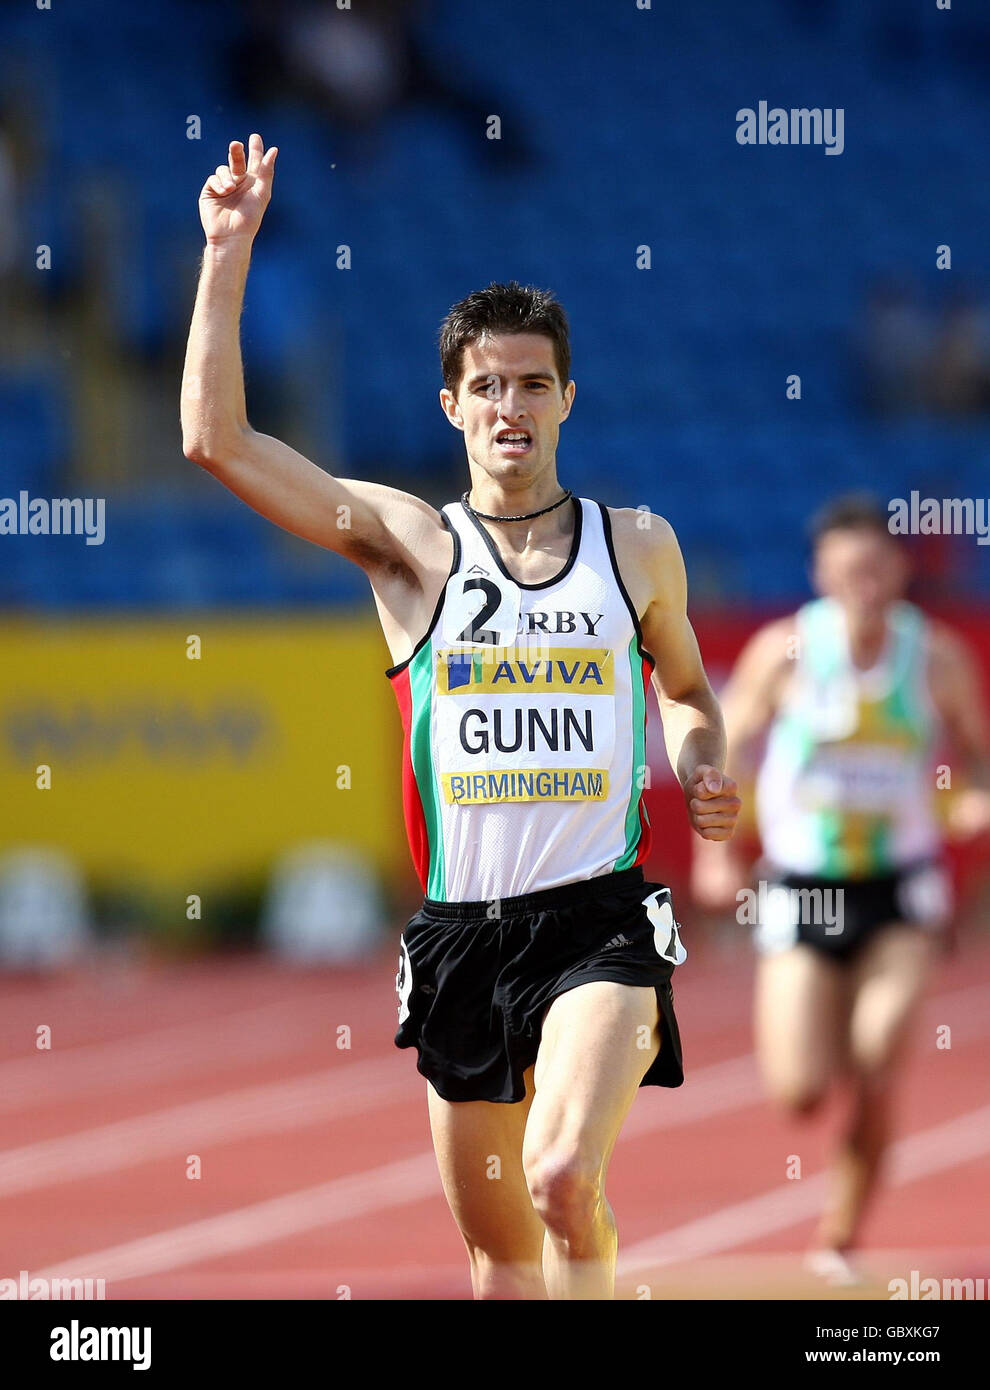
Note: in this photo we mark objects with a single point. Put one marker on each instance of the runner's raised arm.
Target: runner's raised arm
(378, 527)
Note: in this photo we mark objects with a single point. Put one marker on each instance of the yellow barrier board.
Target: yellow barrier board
(170, 768)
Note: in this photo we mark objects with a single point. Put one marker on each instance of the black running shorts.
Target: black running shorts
(837, 917)
(476, 978)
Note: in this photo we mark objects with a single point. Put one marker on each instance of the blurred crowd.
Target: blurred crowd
(357, 66)
(918, 357)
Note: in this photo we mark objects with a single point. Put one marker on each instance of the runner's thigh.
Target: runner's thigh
(800, 1020)
(597, 1043)
(888, 980)
(479, 1152)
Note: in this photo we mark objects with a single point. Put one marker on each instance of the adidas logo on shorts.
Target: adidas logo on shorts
(619, 940)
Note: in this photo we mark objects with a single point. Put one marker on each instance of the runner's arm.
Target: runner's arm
(693, 731)
(960, 701)
(377, 527)
(749, 701)
(957, 694)
(752, 692)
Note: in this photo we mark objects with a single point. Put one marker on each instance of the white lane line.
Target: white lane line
(48, 1077)
(413, 1179)
(934, 1150)
(723, 1087)
(718, 1089)
(348, 1089)
(354, 1087)
(307, 1100)
(395, 1184)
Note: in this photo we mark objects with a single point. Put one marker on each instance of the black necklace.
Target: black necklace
(528, 516)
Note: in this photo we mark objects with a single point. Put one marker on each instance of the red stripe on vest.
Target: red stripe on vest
(412, 802)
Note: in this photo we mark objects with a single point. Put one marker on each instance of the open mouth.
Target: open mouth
(514, 441)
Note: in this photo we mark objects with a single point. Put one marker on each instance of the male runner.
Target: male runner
(853, 688)
(524, 627)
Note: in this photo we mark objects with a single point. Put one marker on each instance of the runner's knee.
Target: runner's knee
(799, 1098)
(874, 1066)
(875, 1051)
(565, 1188)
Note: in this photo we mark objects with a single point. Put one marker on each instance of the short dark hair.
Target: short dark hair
(855, 511)
(503, 308)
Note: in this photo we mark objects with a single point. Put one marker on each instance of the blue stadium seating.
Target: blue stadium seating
(760, 261)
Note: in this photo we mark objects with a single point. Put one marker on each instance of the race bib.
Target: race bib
(477, 611)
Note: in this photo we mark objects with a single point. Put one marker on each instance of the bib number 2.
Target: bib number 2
(479, 612)
(475, 630)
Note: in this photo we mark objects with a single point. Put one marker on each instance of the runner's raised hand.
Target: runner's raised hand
(234, 199)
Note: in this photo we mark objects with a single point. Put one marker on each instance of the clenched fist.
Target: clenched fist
(234, 199)
(970, 814)
(712, 803)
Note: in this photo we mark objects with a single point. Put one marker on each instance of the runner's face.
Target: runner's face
(509, 385)
(862, 570)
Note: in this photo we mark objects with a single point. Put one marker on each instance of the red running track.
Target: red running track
(317, 1179)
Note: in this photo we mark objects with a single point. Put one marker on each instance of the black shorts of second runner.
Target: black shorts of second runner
(839, 916)
(476, 979)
